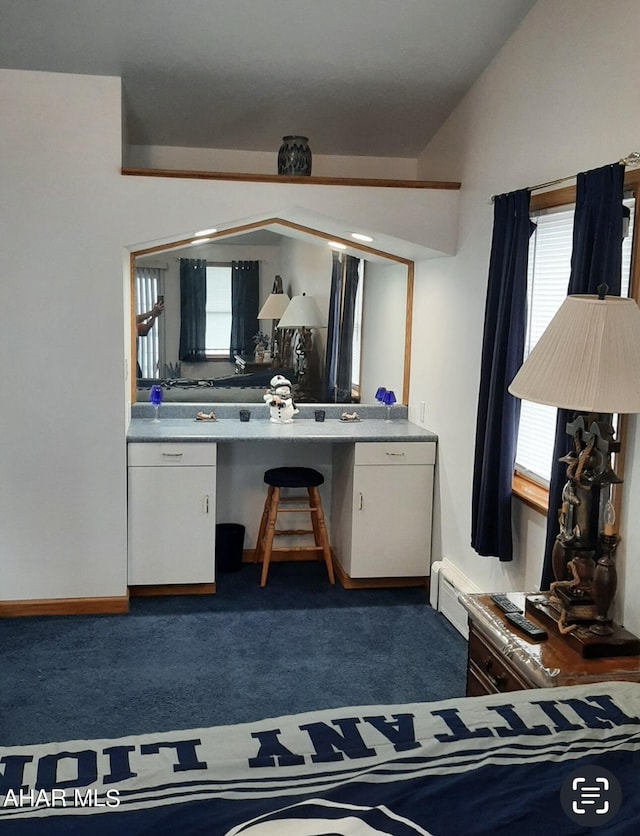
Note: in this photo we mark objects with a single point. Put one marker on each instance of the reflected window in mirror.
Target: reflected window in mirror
(218, 325)
(149, 291)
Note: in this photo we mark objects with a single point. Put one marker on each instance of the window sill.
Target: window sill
(533, 494)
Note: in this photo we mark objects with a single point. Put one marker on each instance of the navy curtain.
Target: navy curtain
(339, 354)
(333, 325)
(193, 309)
(596, 258)
(344, 378)
(245, 295)
(502, 352)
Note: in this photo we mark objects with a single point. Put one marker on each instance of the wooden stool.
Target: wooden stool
(292, 477)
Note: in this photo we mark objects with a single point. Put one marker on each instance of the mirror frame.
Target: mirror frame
(291, 225)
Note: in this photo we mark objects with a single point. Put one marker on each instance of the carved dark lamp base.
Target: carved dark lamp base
(605, 582)
(585, 642)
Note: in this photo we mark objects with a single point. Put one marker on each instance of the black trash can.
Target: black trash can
(229, 545)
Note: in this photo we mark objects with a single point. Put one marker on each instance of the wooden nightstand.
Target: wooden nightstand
(503, 659)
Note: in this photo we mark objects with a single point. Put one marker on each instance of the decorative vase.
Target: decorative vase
(294, 156)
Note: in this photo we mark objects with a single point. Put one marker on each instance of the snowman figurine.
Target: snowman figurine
(280, 401)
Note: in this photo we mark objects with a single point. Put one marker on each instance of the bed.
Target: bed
(529, 762)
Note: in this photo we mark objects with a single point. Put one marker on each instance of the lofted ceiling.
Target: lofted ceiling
(358, 77)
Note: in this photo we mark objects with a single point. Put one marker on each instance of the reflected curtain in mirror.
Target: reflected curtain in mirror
(245, 296)
(596, 257)
(502, 352)
(339, 356)
(193, 305)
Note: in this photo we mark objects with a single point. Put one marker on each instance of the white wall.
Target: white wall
(62, 457)
(560, 98)
(68, 219)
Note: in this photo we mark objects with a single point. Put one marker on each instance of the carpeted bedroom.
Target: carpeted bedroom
(244, 654)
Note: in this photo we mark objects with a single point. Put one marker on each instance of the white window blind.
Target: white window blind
(149, 286)
(218, 328)
(547, 282)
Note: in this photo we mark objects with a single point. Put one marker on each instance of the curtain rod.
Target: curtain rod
(631, 159)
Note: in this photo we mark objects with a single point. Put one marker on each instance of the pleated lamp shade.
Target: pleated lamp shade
(275, 305)
(588, 358)
(302, 312)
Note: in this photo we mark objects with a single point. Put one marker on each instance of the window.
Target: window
(547, 281)
(218, 327)
(148, 288)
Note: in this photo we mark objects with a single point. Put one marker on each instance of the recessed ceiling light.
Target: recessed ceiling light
(337, 245)
(360, 237)
(204, 232)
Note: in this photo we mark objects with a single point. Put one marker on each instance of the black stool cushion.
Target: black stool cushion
(293, 477)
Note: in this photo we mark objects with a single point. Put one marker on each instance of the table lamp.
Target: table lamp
(302, 314)
(275, 305)
(587, 361)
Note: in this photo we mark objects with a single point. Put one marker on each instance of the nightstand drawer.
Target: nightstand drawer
(489, 669)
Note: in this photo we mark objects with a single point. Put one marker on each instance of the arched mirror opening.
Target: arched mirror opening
(206, 312)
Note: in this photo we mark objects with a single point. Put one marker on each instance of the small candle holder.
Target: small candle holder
(155, 396)
(388, 399)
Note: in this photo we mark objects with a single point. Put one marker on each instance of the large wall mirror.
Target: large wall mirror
(270, 254)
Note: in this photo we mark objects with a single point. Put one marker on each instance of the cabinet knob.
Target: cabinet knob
(361, 502)
(172, 455)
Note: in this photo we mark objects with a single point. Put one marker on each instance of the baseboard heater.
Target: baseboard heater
(447, 582)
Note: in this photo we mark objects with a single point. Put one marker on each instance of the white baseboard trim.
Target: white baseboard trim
(447, 582)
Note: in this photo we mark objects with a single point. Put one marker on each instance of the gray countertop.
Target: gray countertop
(229, 429)
(178, 424)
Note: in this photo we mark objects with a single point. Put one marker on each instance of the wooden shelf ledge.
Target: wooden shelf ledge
(278, 178)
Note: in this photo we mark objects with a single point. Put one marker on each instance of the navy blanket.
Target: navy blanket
(553, 761)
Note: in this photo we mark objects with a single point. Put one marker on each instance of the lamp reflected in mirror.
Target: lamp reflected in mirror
(302, 314)
(274, 307)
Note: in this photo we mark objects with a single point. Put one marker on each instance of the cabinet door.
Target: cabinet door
(171, 525)
(392, 508)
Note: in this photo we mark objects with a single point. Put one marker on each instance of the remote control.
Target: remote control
(504, 603)
(528, 627)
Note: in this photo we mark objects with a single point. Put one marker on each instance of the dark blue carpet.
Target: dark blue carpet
(243, 654)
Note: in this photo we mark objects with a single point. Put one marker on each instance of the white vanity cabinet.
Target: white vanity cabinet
(172, 513)
(382, 504)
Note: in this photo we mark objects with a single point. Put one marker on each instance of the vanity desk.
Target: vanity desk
(185, 475)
